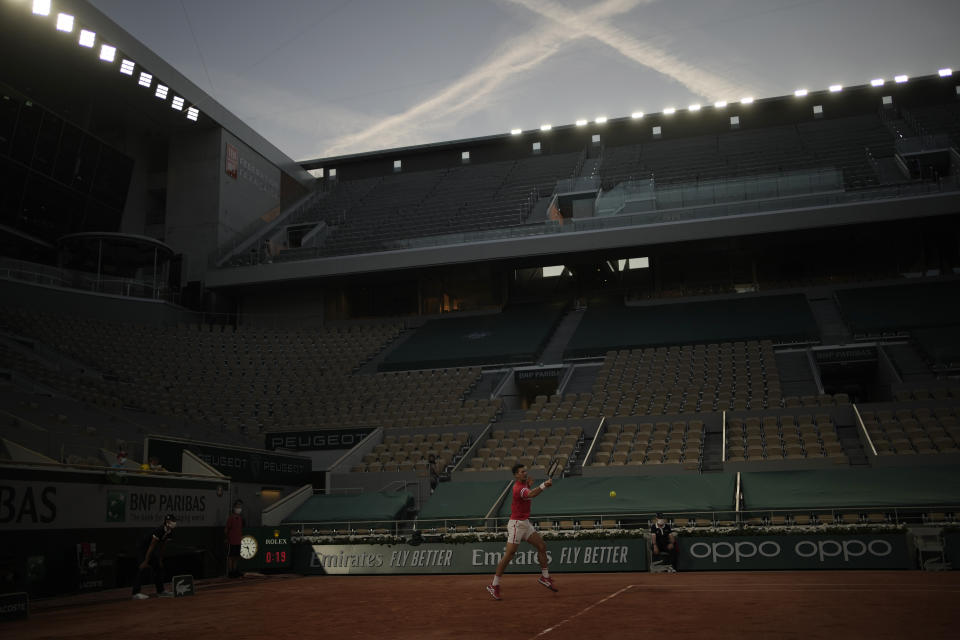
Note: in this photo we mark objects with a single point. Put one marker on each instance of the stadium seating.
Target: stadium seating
(677, 379)
(784, 437)
(380, 214)
(411, 452)
(254, 380)
(647, 443)
(913, 431)
(535, 448)
(839, 143)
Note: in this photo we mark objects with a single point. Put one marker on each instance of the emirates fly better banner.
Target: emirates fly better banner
(627, 554)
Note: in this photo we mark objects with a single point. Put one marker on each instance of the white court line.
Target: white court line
(780, 584)
(563, 622)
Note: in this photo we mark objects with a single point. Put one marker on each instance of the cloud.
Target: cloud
(475, 89)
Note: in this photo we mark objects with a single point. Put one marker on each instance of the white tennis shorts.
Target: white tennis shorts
(519, 530)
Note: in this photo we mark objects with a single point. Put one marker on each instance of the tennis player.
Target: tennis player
(519, 529)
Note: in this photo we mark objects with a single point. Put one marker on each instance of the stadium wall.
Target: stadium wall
(101, 306)
(192, 199)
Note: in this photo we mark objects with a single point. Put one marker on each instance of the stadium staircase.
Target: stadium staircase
(796, 377)
(711, 461)
(370, 367)
(581, 380)
(909, 365)
(553, 352)
(852, 446)
(826, 312)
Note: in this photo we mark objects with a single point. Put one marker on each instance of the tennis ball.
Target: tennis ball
(613, 494)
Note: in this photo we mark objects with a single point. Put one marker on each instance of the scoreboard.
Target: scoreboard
(266, 549)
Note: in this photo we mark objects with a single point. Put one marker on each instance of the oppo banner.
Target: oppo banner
(628, 554)
(855, 551)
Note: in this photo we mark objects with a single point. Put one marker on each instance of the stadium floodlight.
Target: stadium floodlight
(945, 73)
(636, 115)
(193, 113)
(694, 107)
(515, 132)
(669, 111)
(87, 38)
(581, 122)
(65, 22)
(836, 88)
(126, 67)
(639, 263)
(746, 100)
(800, 93)
(108, 53)
(546, 127)
(877, 82)
(601, 119)
(161, 91)
(146, 79)
(177, 103)
(41, 7)
(901, 78)
(553, 271)
(720, 104)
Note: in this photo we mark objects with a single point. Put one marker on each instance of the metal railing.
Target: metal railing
(34, 273)
(727, 519)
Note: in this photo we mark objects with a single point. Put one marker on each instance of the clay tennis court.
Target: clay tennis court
(823, 604)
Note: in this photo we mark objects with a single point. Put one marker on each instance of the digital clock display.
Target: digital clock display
(266, 548)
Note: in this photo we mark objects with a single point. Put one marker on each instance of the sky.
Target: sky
(323, 78)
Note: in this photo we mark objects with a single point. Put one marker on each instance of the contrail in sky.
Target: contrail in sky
(584, 24)
(472, 91)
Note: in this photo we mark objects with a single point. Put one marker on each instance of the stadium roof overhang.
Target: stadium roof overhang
(49, 67)
(555, 246)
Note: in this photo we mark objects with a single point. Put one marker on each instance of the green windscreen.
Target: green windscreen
(635, 494)
(367, 506)
(462, 500)
(899, 486)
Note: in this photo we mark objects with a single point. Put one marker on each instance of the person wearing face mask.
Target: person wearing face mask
(664, 540)
(121, 462)
(151, 552)
(234, 533)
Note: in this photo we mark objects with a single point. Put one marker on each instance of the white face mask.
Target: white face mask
(659, 523)
(238, 510)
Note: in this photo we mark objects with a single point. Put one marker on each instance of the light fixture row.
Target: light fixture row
(66, 23)
(720, 104)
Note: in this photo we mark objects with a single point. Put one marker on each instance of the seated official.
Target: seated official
(664, 539)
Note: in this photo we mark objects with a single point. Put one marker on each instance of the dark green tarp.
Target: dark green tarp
(917, 304)
(635, 494)
(515, 335)
(367, 506)
(612, 327)
(462, 499)
(896, 486)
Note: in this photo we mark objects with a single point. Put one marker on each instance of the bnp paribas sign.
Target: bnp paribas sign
(479, 557)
